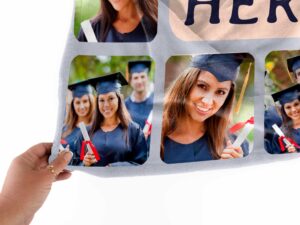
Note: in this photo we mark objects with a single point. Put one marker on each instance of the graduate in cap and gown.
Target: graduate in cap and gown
(81, 109)
(272, 114)
(197, 109)
(140, 102)
(122, 21)
(117, 139)
(290, 111)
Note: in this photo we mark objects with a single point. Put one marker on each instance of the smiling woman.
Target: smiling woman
(121, 21)
(116, 138)
(290, 113)
(197, 111)
(81, 109)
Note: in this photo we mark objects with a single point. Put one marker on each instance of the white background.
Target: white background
(32, 41)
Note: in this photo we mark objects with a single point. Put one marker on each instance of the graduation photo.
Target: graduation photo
(109, 106)
(208, 108)
(282, 106)
(115, 21)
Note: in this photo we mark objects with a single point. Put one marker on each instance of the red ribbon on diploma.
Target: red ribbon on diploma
(63, 142)
(150, 126)
(85, 143)
(240, 125)
(281, 143)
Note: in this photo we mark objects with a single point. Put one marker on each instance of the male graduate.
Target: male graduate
(140, 102)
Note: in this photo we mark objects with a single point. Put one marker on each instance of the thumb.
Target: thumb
(228, 143)
(62, 161)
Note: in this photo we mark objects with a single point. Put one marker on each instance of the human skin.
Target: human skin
(139, 82)
(82, 106)
(28, 183)
(120, 5)
(108, 106)
(205, 99)
(128, 16)
(292, 110)
(297, 74)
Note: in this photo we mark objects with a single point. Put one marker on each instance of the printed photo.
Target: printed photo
(282, 105)
(115, 20)
(109, 106)
(208, 108)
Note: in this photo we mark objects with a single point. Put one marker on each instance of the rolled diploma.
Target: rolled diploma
(281, 134)
(85, 135)
(243, 135)
(148, 122)
(61, 148)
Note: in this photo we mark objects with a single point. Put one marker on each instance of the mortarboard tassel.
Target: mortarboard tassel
(241, 97)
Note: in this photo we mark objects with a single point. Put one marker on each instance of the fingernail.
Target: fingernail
(67, 155)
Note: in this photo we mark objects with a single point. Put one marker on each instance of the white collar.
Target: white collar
(132, 98)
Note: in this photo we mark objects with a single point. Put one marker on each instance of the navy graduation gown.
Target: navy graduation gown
(199, 150)
(139, 111)
(144, 32)
(271, 117)
(273, 146)
(72, 141)
(113, 147)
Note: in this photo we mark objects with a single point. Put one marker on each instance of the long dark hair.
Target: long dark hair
(122, 114)
(287, 124)
(107, 15)
(174, 109)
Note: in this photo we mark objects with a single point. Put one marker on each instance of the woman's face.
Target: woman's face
(297, 74)
(108, 104)
(120, 4)
(82, 105)
(292, 109)
(206, 96)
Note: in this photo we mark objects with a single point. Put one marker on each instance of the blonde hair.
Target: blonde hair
(71, 119)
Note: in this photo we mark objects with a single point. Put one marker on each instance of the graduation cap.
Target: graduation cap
(139, 66)
(108, 83)
(293, 64)
(287, 95)
(81, 88)
(223, 66)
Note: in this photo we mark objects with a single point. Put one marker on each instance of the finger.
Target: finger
(226, 156)
(228, 142)
(35, 155)
(89, 157)
(40, 150)
(291, 149)
(62, 160)
(63, 176)
(239, 150)
(232, 152)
